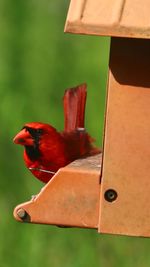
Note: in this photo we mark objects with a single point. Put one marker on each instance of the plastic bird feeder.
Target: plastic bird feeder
(120, 204)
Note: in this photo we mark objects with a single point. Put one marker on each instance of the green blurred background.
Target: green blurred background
(37, 63)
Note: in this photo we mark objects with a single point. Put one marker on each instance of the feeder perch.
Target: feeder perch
(74, 196)
(65, 200)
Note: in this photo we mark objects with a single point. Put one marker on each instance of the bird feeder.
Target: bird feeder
(118, 203)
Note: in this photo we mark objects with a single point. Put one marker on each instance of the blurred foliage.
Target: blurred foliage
(37, 63)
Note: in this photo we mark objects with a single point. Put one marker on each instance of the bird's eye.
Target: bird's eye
(39, 131)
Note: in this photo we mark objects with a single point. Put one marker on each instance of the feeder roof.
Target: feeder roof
(123, 18)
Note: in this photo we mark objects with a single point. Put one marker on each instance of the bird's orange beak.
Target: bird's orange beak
(23, 138)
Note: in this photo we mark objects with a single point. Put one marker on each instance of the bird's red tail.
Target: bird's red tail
(74, 107)
(74, 113)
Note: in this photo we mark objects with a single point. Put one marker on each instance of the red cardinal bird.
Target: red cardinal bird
(46, 149)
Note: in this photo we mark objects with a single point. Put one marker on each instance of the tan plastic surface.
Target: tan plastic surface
(126, 162)
(124, 18)
(71, 198)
